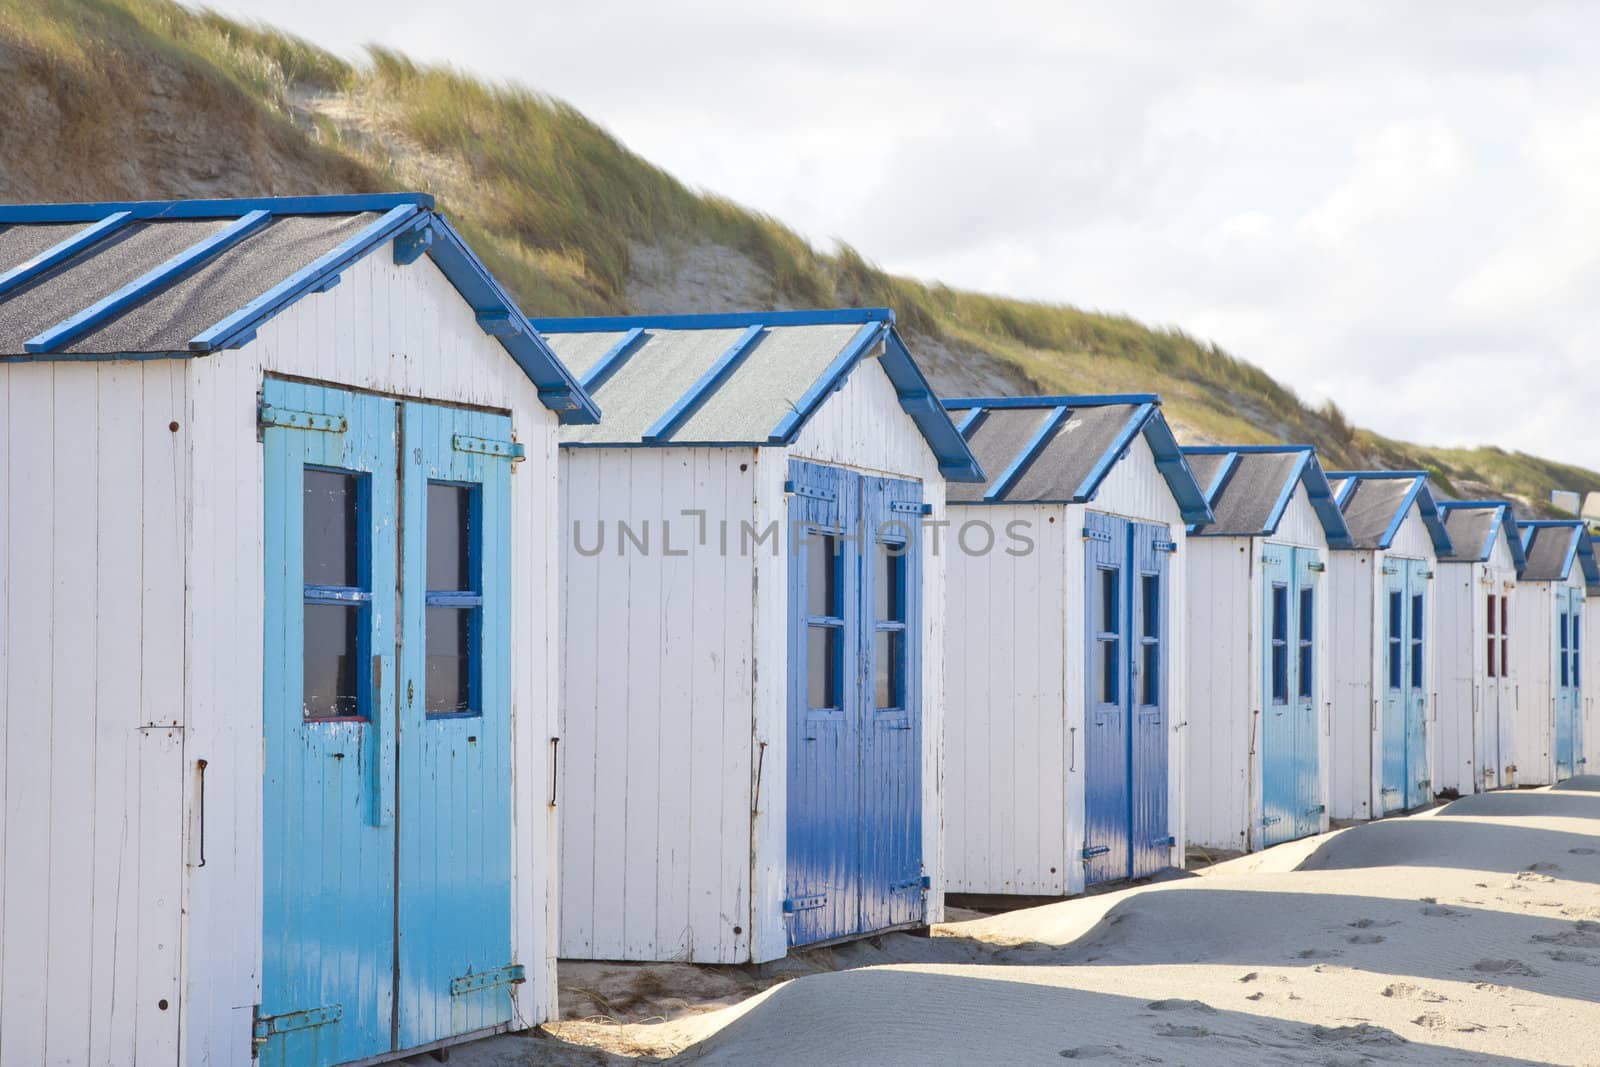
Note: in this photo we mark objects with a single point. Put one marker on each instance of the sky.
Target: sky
(1394, 206)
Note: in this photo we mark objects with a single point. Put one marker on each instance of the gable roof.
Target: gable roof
(1473, 526)
(1058, 449)
(748, 379)
(1249, 488)
(1375, 505)
(181, 278)
(1552, 545)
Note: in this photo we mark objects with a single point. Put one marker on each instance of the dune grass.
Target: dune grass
(556, 206)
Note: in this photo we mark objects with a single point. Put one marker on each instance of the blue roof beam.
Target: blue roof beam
(831, 379)
(611, 360)
(147, 285)
(53, 257)
(1030, 451)
(167, 210)
(687, 404)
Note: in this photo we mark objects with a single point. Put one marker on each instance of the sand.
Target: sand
(1468, 934)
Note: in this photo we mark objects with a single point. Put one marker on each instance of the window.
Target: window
(1150, 640)
(889, 637)
(1494, 640)
(454, 601)
(824, 580)
(1417, 681)
(1577, 650)
(1396, 621)
(1561, 627)
(1109, 636)
(1280, 643)
(337, 600)
(1505, 637)
(1307, 632)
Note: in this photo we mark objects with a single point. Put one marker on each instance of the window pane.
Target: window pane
(1307, 638)
(1108, 600)
(889, 570)
(1151, 599)
(331, 552)
(1416, 616)
(1417, 680)
(1494, 659)
(1151, 677)
(1280, 673)
(823, 594)
(1280, 613)
(1505, 616)
(888, 657)
(1396, 607)
(332, 636)
(1577, 650)
(448, 686)
(1108, 671)
(449, 539)
(1492, 599)
(1561, 629)
(822, 667)
(1505, 641)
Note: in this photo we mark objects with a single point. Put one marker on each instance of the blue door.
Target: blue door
(377, 849)
(854, 830)
(1290, 770)
(1569, 697)
(1404, 738)
(1125, 738)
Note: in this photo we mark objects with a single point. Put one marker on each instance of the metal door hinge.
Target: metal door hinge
(1164, 842)
(267, 415)
(511, 974)
(1096, 535)
(1095, 850)
(921, 882)
(1318, 810)
(485, 447)
(811, 903)
(806, 491)
(268, 1025)
(910, 507)
(1165, 546)
(1271, 820)
(1318, 567)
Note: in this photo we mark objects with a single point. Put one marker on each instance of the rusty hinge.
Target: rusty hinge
(268, 1025)
(267, 415)
(511, 974)
(811, 903)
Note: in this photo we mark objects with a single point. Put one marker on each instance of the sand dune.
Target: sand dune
(1470, 934)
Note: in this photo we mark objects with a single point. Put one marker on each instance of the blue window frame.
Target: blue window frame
(337, 552)
(824, 581)
(1150, 640)
(1280, 643)
(1565, 659)
(889, 625)
(1109, 636)
(1417, 680)
(453, 623)
(1306, 638)
(1577, 650)
(1396, 623)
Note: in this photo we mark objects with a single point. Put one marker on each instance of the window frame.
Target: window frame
(355, 598)
(470, 601)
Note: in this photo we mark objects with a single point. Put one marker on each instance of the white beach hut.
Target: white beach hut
(1547, 614)
(1258, 691)
(258, 531)
(1477, 674)
(1382, 642)
(754, 635)
(1066, 643)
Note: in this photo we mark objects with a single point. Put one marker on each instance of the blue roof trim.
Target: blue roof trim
(1505, 521)
(1320, 493)
(832, 378)
(1102, 467)
(1085, 401)
(730, 320)
(969, 420)
(917, 399)
(1418, 494)
(1219, 481)
(1047, 429)
(52, 257)
(1581, 548)
(240, 327)
(1185, 488)
(1285, 494)
(608, 363)
(12, 214)
(147, 285)
(690, 402)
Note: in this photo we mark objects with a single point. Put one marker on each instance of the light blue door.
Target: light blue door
(854, 832)
(386, 851)
(1404, 731)
(1309, 806)
(1279, 773)
(1151, 840)
(1569, 683)
(1418, 780)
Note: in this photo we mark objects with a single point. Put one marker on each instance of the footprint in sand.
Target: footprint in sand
(1543, 867)
(1516, 967)
(1182, 1005)
(1256, 996)
(1367, 924)
(1430, 1020)
(1187, 1032)
(1583, 934)
(1359, 1034)
(1407, 991)
(1316, 954)
(1366, 939)
(1090, 1052)
(1251, 976)
(1443, 911)
(1582, 851)
(1561, 955)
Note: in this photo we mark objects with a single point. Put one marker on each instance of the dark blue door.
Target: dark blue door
(386, 792)
(854, 830)
(1125, 749)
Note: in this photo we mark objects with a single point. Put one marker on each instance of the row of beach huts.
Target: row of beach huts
(367, 647)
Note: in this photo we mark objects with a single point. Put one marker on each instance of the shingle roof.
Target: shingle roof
(748, 379)
(1551, 547)
(1249, 488)
(1473, 526)
(191, 277)
(1058, 449)
(1375, 504)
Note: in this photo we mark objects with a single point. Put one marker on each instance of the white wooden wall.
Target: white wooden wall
(1459, 603)
(657, 705)
(1534, 648)
(1350, 585)
(1221, 627)
(92, 579)
(1023, 725)
(403, 331)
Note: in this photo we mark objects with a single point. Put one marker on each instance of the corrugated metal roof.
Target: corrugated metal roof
(190, 277)
(1057, 449)
(748, 379)
(1375, 504)
(1249, 488)
(1473, 526)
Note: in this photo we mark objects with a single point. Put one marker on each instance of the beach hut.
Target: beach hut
(1382, 642)
(1065, 755)
(1477, 673)
(1257, 657)
(1548, 612)
(269, 594)
(754, 635)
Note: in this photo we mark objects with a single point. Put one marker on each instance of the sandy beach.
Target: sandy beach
(1469, 933)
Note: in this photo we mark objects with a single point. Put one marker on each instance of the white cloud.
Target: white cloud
(1384, 204)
